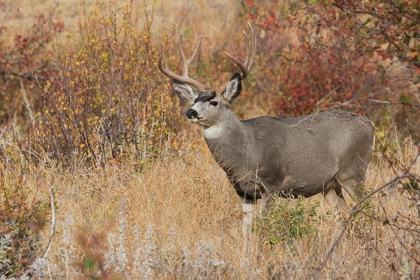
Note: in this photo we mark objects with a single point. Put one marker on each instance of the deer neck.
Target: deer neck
(227, 139)
(229, 126)
(228, 143)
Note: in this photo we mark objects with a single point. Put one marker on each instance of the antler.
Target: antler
(251, 49)
(187, 62)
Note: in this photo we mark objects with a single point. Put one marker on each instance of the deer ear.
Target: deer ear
(233, 88)
(186, 93)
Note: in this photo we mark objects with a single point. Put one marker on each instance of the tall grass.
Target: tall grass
(137, 195)
(180, 219)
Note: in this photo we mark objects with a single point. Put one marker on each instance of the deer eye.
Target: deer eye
(214, 103)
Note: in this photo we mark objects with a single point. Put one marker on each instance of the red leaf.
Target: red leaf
(271, 17)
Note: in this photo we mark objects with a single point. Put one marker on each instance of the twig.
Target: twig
(26, 75)
(52, 232)
(25, 99)
(354, 210)
(65, 256)
(326, 96)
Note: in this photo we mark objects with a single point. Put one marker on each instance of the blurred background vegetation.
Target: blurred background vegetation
(80, 81)
(80, 87)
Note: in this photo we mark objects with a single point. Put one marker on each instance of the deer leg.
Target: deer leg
(351, 178)
(248, 208)
(334, 196)
(353, 187)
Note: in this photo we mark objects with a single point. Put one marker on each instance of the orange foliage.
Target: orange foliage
(107, 94)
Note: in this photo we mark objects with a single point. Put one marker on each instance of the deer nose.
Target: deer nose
(191, 114)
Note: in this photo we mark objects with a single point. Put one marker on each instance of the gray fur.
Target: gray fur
(297, 156)
(186, 93)
(320, 153)
(233, 88)
(285, 156)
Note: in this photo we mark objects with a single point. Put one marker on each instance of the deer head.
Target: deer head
(210, 106)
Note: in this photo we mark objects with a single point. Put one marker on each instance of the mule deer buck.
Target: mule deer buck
(320, 153)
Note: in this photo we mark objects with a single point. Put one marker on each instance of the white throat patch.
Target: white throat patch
(213, 132)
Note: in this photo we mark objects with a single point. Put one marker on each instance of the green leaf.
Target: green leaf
(405, 99)
(355, 213)
(407, 186)
(88, 263)
(367, 21)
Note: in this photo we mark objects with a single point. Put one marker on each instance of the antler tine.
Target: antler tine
(165, 70)
(240, 64)
(181, 52)
(251, 48)
(187, 62)
(247, 48)
(197, 49)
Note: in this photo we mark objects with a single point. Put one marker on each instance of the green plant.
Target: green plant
(290, 219)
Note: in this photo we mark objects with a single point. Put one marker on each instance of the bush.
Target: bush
(22, 218)
(105, 100)
(288, 220)
(357, 56)
(24, 55)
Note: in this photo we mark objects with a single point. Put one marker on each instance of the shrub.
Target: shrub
(24, 55)
(143, 256)
(290, 219)
(22, 218)
(359, 56)
(105, 97)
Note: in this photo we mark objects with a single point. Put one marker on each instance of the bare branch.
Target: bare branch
(26, 75)
(53, 221)
(355, 210)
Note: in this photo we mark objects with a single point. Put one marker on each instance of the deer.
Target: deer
(264, 157)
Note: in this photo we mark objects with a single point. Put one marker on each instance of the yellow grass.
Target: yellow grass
(213, 19)
(188, 192)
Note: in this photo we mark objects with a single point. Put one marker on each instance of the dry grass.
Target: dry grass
(223, 16)
(187, 201)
